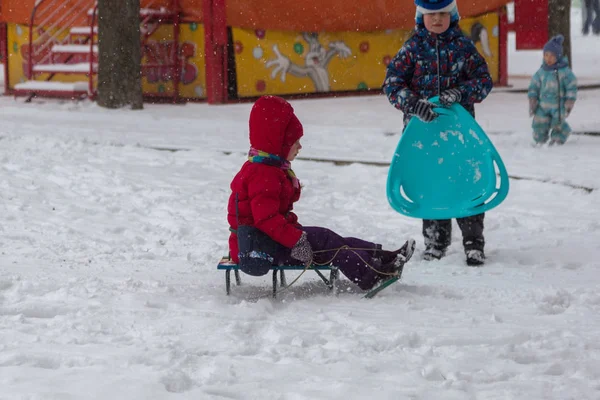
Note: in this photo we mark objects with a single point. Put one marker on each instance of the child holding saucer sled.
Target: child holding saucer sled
(438, 59)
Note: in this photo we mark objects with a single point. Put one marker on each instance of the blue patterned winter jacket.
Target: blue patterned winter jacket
(427, 64)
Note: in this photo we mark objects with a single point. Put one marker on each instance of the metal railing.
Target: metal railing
(91, 75)
(53, 24)
(53, 29)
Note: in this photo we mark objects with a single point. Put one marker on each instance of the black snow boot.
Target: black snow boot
(475, 258)
(433, 253)
(393, 261)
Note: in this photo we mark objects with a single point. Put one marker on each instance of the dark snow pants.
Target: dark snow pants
(348, 262)
(591, 16)
(438, 233)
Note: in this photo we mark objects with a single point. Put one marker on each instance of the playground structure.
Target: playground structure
(221, 51)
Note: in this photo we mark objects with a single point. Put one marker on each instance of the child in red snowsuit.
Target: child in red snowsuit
(264, 229)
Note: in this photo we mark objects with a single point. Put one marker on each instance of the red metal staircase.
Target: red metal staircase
(63, 45)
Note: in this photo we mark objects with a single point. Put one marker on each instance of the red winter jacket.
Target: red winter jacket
(265, 194)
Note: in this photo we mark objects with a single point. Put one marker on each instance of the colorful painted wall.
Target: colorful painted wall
(158, 51)
(18, 56)
(277, 62)
(271, 62)
(484, 31)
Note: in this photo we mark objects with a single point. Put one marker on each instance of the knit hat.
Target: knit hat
(434, 6)
(554, 45)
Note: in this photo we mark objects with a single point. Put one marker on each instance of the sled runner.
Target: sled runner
(447, 168)
(228, 265)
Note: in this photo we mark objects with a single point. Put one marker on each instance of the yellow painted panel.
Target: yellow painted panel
(18, 60)
(277, 62)
(484, 32)
(159, 51)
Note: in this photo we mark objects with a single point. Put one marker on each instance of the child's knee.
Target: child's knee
(541, 123)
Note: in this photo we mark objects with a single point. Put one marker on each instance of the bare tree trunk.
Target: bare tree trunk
(559, 21)
(119, 52)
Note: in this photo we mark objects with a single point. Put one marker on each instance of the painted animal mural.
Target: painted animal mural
(316, 61)
(479, 33)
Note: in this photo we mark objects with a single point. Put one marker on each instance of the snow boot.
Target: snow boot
(475, 258)
(393, 261)
(433, 253)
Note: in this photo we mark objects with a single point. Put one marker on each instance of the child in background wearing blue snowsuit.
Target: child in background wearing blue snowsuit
(438, 59)
(552, 94)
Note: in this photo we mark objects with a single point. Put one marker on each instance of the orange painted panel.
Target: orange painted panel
(16, 10)
(336, 15)
(292, 15)
(19, 11)
(192, 10)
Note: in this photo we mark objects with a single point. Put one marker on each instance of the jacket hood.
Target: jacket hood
(274, 127)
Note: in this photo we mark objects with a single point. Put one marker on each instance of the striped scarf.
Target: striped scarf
(262, 157)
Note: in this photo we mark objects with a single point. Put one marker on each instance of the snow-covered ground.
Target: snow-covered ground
(109, 244)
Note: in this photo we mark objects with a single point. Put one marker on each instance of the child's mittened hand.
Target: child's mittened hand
(424, 111)
(533, 104)
(302, 251)
(569, 104)
(449, 97)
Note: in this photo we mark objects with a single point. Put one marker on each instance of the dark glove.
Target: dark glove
(424, 111)
(569, 104)
(533, 105)
(449, 97)
(302, 250)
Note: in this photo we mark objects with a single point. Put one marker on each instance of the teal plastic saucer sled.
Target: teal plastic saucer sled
(447, 168)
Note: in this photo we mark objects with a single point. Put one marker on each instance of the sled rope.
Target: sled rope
(337, 251)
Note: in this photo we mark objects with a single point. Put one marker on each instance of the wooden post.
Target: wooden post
(4, 52)
(503, 47)
(215, 38)
(176, 55)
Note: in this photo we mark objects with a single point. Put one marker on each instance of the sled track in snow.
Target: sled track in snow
(585, 86)
(387, 164)
(586, 189)
(494, 133)
(340, 162)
